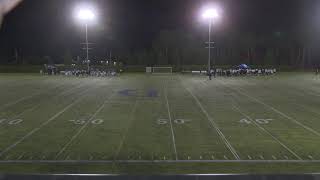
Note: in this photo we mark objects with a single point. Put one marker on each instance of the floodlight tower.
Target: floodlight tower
(211, 15)
(86, 16)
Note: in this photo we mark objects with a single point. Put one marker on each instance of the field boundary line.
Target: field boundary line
(127, 129)
(43, 124)
(214, 125)
(275, 110)
(170, 120)
(267, 132)
(149, 161)
(84, 126)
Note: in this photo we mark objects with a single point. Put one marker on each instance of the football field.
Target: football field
(160, 124)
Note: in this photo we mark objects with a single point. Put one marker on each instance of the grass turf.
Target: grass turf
(135, 117)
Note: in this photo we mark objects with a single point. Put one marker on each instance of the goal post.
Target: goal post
(161, 70)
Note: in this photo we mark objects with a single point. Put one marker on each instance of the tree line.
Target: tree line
(178, 48)
(275, 49)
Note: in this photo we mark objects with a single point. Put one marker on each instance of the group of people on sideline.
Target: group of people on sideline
(79, 72)
(240, 72)
(92, 72)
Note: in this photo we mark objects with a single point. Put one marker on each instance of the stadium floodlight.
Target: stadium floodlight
(210, 14)
(86, 15)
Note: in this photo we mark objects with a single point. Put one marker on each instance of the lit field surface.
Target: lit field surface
(160, 124)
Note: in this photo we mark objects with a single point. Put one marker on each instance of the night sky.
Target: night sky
(47, 27)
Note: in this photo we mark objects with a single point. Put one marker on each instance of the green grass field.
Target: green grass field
(155, 124)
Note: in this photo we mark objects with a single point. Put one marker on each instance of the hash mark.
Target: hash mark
(7, 157)
(21, 156)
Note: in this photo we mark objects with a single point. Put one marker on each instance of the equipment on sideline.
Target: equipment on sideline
(159, 70)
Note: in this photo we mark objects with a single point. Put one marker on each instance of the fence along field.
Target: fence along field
(168, 118)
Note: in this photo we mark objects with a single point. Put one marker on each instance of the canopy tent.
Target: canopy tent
(243, 66)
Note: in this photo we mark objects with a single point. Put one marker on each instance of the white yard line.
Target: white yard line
(311, 93)
(7, 157)
(65, 92)
(308, 109)
(21, 156)
(17, 101)
(286, 157)
(127, 129)
(28, 97)
(84, 126)
(24, 111)
(275, 110)
(236, 108)
(73, 89)
(214, 125)
(42, 125)
(170, 120)
(35, 106)
(273, 157)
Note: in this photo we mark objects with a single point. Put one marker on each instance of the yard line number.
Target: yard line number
(176, 121)
(84, 121)
(11, 122)
(259, 121)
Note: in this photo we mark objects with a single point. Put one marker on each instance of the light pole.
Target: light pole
(87, 49)
(210, 15)
(86, 15)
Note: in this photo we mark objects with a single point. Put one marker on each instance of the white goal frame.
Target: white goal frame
(170, 70)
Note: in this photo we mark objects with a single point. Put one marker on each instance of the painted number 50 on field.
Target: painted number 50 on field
(176, 121)
(11, 122)
(83, 121)
(259, 121)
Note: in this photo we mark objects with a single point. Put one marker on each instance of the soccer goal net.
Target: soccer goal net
(161, 70)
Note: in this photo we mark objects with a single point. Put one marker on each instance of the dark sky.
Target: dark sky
(47, 27)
